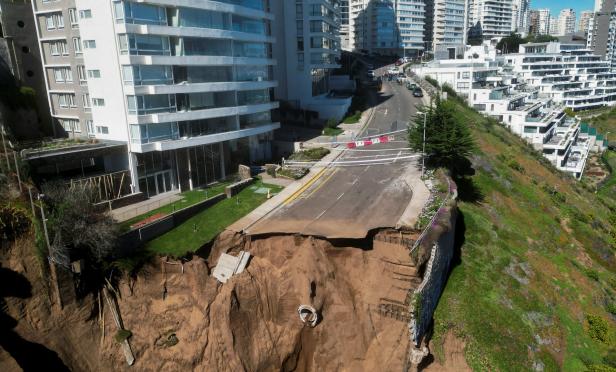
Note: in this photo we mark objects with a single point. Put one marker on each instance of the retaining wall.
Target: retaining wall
(235, 188)
(137, 237)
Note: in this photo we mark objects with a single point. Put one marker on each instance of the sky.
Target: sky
(556, 5)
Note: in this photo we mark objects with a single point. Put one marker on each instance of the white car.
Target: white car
(371, 73)
(393, 71)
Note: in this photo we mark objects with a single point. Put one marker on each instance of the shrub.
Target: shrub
(13, 222)
(597, 328)
(432, 81)
(123, 335)
(592, 274)
(316, 153)
(600, 368)
(331, 123)
(611, 308)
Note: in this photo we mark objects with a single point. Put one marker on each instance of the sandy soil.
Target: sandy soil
(454, 357)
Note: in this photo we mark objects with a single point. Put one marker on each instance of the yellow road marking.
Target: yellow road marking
(322, 183)
(303, 188)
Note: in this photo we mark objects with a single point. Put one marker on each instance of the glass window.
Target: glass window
(72, 14)
(202, 74)
(90, 126)
(144, 44)
(94, 74)
(250, 25)
(191, 17)
(252, 50)
(84, 14)
(89, 44)
(253, 97)
(144, 14)
(77, 45)
(98, 102)
(194, 46)
(252, 73)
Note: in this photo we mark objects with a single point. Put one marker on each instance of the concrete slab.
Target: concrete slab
(228, 266)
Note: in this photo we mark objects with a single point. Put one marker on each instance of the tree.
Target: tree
(78, 229)
(448, 142)
(510, 44)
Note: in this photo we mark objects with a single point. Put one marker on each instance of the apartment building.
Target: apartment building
(345, 41)
(61, 49)
(601, 37)
(307, 51)
(185, 86)
(391, 27)
(494, 85)
(567, 73)
(490, 18)
(446, 23)
(566, 22)
(544, 21)
(520, 13)
(585, 18)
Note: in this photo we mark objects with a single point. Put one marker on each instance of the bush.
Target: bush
(600, 368)
(13, 222)
(292, 173)
(123, 335)
(331, 123)
(432, 81)
(314, 154)
(592, 274)
(597, 328)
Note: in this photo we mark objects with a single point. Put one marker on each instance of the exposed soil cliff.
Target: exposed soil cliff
(181, 318)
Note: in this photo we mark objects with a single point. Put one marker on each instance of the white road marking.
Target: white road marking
(397, 156)
(340, 196)
(322, 213)
(355, 181)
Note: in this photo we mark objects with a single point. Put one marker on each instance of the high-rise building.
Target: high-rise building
(554, 27)
(520, 16)
(344, 25)
(585, 18)
(601, 36)
(307, 50)
(490, 18)
(544, 21)
(185, 86)
(533, 22)
(598, 5)
(446, 23)
(394, 27)
(566, 22)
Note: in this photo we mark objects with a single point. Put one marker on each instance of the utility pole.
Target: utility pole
(6, 154)
(44, 222)
(423, 152)
(17, 170)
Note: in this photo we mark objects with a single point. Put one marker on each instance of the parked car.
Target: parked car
(417, 92)
(411, 86)
(371, 73)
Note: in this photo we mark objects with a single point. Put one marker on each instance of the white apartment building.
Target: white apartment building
(186, 86)
(490, 18)
(567, 73)
(566, 22)
(520, 13)
(447, 23)
(394, 27)
(307, 51)
(345, 41)
(544, 21)
(494, 85)
(585, 18)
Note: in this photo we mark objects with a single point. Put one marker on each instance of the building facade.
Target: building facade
(447, 23)
(307, 51)
(585, 18)
(566, 22)
(521, 13)
(490, 18)
(187, 86)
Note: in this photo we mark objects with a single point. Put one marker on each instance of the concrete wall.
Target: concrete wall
(426, 296)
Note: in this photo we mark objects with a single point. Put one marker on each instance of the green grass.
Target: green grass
(209, 223)
(353, 118)
(530, 242)
(189, 198)
(332, 131)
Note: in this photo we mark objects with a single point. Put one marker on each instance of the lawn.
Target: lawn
(205, 226)
(332, 131)
(188, 198)
(605, 122)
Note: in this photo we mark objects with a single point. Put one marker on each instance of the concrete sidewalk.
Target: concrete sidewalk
(288, 194)
(133, 210)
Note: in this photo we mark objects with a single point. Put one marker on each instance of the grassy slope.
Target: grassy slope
(550, 239)
(209, 223)
(605, 122)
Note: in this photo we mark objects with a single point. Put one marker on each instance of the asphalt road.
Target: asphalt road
(349, 200)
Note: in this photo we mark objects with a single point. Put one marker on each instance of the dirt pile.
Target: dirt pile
(251, 322)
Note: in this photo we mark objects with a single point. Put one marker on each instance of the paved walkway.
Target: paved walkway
(155, 202)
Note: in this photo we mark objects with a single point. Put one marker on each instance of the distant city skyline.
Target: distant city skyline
(556, 6)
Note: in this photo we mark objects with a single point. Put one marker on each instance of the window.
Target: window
(68, 74)
(300, 44)
(94, 74)
(465, 75)
(99, 102)
(66, 100)
(70, 125)
(102, 129)
(81, 72)
(77, 45)
(90, 126)
(86, 13)
(89, 44)
(58, 75)
(85, 98)
(72, 15)
(54, 20)
(53, 49)
(300, 61)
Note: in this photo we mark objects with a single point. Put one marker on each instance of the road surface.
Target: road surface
(349, 201)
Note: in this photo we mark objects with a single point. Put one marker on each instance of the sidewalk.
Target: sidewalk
(133, 210)
(286, 195)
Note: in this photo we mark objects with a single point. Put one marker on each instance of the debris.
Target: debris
(229, 265)
(308, 315)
